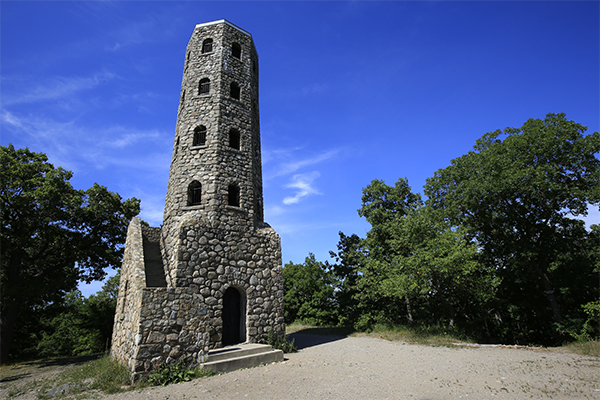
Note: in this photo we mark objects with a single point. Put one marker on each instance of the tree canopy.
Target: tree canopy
(53, 236)
(308, 292)
(496, 251)
(516, 195)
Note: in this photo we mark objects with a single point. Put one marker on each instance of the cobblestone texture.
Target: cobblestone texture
(210, 245)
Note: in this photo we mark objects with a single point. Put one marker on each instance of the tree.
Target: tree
(76, 325)
(417, 265)
(308, 292)
(515, 195)
(349, 261)
(382, 206)
(53, 236)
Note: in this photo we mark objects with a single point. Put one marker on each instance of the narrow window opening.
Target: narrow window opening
(194, 193)
(233, 195)
(234, 139)
(207, 46)
(199, 136)
(177, 146)
(204, 86)
(182, 100)
(234, 90)
(236, 50)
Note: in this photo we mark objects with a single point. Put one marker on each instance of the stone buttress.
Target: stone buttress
(211, 275)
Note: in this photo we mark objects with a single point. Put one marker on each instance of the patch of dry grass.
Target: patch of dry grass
(430, 336)
(591, 348)
(424, 336)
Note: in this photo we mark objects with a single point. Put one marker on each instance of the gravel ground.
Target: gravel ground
(349, 368)
(368, 368)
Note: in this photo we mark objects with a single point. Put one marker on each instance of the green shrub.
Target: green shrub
(176, 373)
(281, 342)
(591, 328)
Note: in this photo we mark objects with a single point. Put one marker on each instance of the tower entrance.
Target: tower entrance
(234, 316)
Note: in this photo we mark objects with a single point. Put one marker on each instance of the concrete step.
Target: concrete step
(238, 350)
(239, 356)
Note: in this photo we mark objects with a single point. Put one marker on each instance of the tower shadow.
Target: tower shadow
(310, 337)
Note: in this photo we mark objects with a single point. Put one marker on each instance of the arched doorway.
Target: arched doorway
(234, 317)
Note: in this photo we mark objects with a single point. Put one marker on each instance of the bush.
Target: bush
(591, 327)
(281, 342)
(176, 373)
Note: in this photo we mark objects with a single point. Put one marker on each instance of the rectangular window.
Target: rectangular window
(204, 86)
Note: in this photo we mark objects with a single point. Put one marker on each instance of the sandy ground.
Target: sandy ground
(348, 368)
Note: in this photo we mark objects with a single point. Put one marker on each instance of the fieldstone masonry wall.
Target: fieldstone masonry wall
(125, 341)
(175, 279)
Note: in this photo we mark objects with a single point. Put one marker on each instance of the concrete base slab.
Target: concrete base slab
(245, 355)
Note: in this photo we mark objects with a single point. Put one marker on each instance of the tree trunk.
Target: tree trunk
(7, 325)
(450, 310)
(549, 292)
(10, 306)
(408, 310)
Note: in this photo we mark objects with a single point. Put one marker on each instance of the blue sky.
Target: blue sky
(349, 92)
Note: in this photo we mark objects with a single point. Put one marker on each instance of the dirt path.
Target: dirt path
(349, 368)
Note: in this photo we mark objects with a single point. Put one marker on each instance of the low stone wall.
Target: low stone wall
(173, 328)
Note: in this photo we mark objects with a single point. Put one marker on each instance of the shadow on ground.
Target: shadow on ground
(310, 337)
(22, 369)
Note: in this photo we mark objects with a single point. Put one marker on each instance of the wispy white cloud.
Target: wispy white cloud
(127, 137)
(290, 227)
(284, 162)
(293, 166)
(133, 34)
(303, 183)
(153, 203)
(273, 211)
(315, 88)
(74, 147)
(55, 88)
(269, 155)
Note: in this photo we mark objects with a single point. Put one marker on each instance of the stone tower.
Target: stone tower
(211, 275)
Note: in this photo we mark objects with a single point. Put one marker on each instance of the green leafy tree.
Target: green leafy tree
(418, 268)
(60, 328)
(97, 316)
(381, 206)
(308, 292)
(349, 262)
(515, 195)
(77, 325)
(53, 236)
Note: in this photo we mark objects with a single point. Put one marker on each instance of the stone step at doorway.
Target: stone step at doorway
(238, 356)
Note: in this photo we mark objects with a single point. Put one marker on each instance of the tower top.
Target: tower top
(222, 21)
(215, 171)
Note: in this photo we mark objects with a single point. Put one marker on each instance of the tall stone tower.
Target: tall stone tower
(216, 166)
(211, 275)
